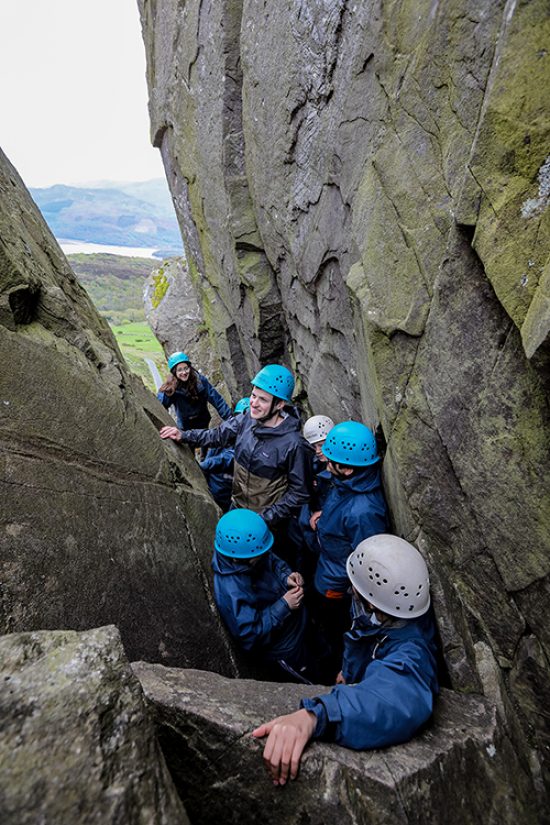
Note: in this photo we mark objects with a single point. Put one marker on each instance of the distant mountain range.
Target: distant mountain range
(129, 214)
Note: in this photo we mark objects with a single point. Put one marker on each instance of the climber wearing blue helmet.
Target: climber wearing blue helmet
(353, 509)
(272, 466)
(190, 393)
(259, 598)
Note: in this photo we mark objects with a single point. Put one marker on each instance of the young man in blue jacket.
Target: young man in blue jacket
(272, 465)
(353, 509)
(259, 598)
(388, 683)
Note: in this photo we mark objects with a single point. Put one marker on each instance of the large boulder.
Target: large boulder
(205, 723)
(77, 745)
(102, 522)
(379, 172)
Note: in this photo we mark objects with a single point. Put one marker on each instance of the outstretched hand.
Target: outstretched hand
(287, 737)
(170, 432)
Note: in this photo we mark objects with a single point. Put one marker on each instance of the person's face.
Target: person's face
(182, 371)
(260, 403)
(254, 561)
(319, 451)
(338, 470)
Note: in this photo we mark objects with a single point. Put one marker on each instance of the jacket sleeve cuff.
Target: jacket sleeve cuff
(315, 706)
(280, 610)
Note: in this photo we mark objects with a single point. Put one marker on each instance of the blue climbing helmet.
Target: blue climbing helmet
(351, 443)
(243, 405)
(177, 358)
(242, 534)
(276, 380)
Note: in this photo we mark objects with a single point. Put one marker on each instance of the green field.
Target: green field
(137, 342)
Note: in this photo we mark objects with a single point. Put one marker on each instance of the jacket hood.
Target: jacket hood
(402, 629)
(291, 423)
(229, 567)
(362, 481)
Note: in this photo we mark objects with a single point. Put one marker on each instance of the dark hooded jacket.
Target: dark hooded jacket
(191, 413)
(218, 470)
(354, 509)
(272, 465)
(250, 601)
(391, 683)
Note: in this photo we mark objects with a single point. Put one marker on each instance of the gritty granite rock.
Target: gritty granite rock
(101, 521)
(76, 742)
(391, 165)
(461, 769)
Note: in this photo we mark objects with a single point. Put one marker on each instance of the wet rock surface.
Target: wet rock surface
(101, 521)
(461, 769)
(76, 742)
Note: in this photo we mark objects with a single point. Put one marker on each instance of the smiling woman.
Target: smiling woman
(98, 80)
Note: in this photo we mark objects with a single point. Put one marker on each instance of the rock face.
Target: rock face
(204, 724)
(101, 522)
(77, 744)
(364, 189)
(177, 319)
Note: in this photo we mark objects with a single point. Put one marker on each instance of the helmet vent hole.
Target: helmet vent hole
(385, 581)
(411, 607)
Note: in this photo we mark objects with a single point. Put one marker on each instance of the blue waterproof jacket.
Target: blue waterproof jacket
(250, 602)
(218, 470)
(353, 510)
(391, 683)
(191, 413)
(272, 465)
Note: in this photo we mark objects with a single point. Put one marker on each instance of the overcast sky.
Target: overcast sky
(73, 93)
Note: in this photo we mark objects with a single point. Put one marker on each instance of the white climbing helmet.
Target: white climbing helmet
(391, 574)
(317, 428)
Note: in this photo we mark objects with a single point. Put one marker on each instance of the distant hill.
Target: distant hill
(114, 283)
(131, 214)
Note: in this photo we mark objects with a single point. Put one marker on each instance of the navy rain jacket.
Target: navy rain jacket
(191, 413)
(391, 684)
(354, 509)
(250, 602)
(272, 465)
(218, 470)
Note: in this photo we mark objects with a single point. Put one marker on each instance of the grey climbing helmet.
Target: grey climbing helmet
(391, 574)
(317, 428)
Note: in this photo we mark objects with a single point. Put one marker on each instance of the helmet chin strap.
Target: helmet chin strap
(271, 412)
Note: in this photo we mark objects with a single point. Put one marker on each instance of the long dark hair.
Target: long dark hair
(191, 386)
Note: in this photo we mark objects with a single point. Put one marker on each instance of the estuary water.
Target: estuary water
(74, 247)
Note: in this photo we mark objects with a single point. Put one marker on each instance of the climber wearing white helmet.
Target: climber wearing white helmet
(386, 689)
